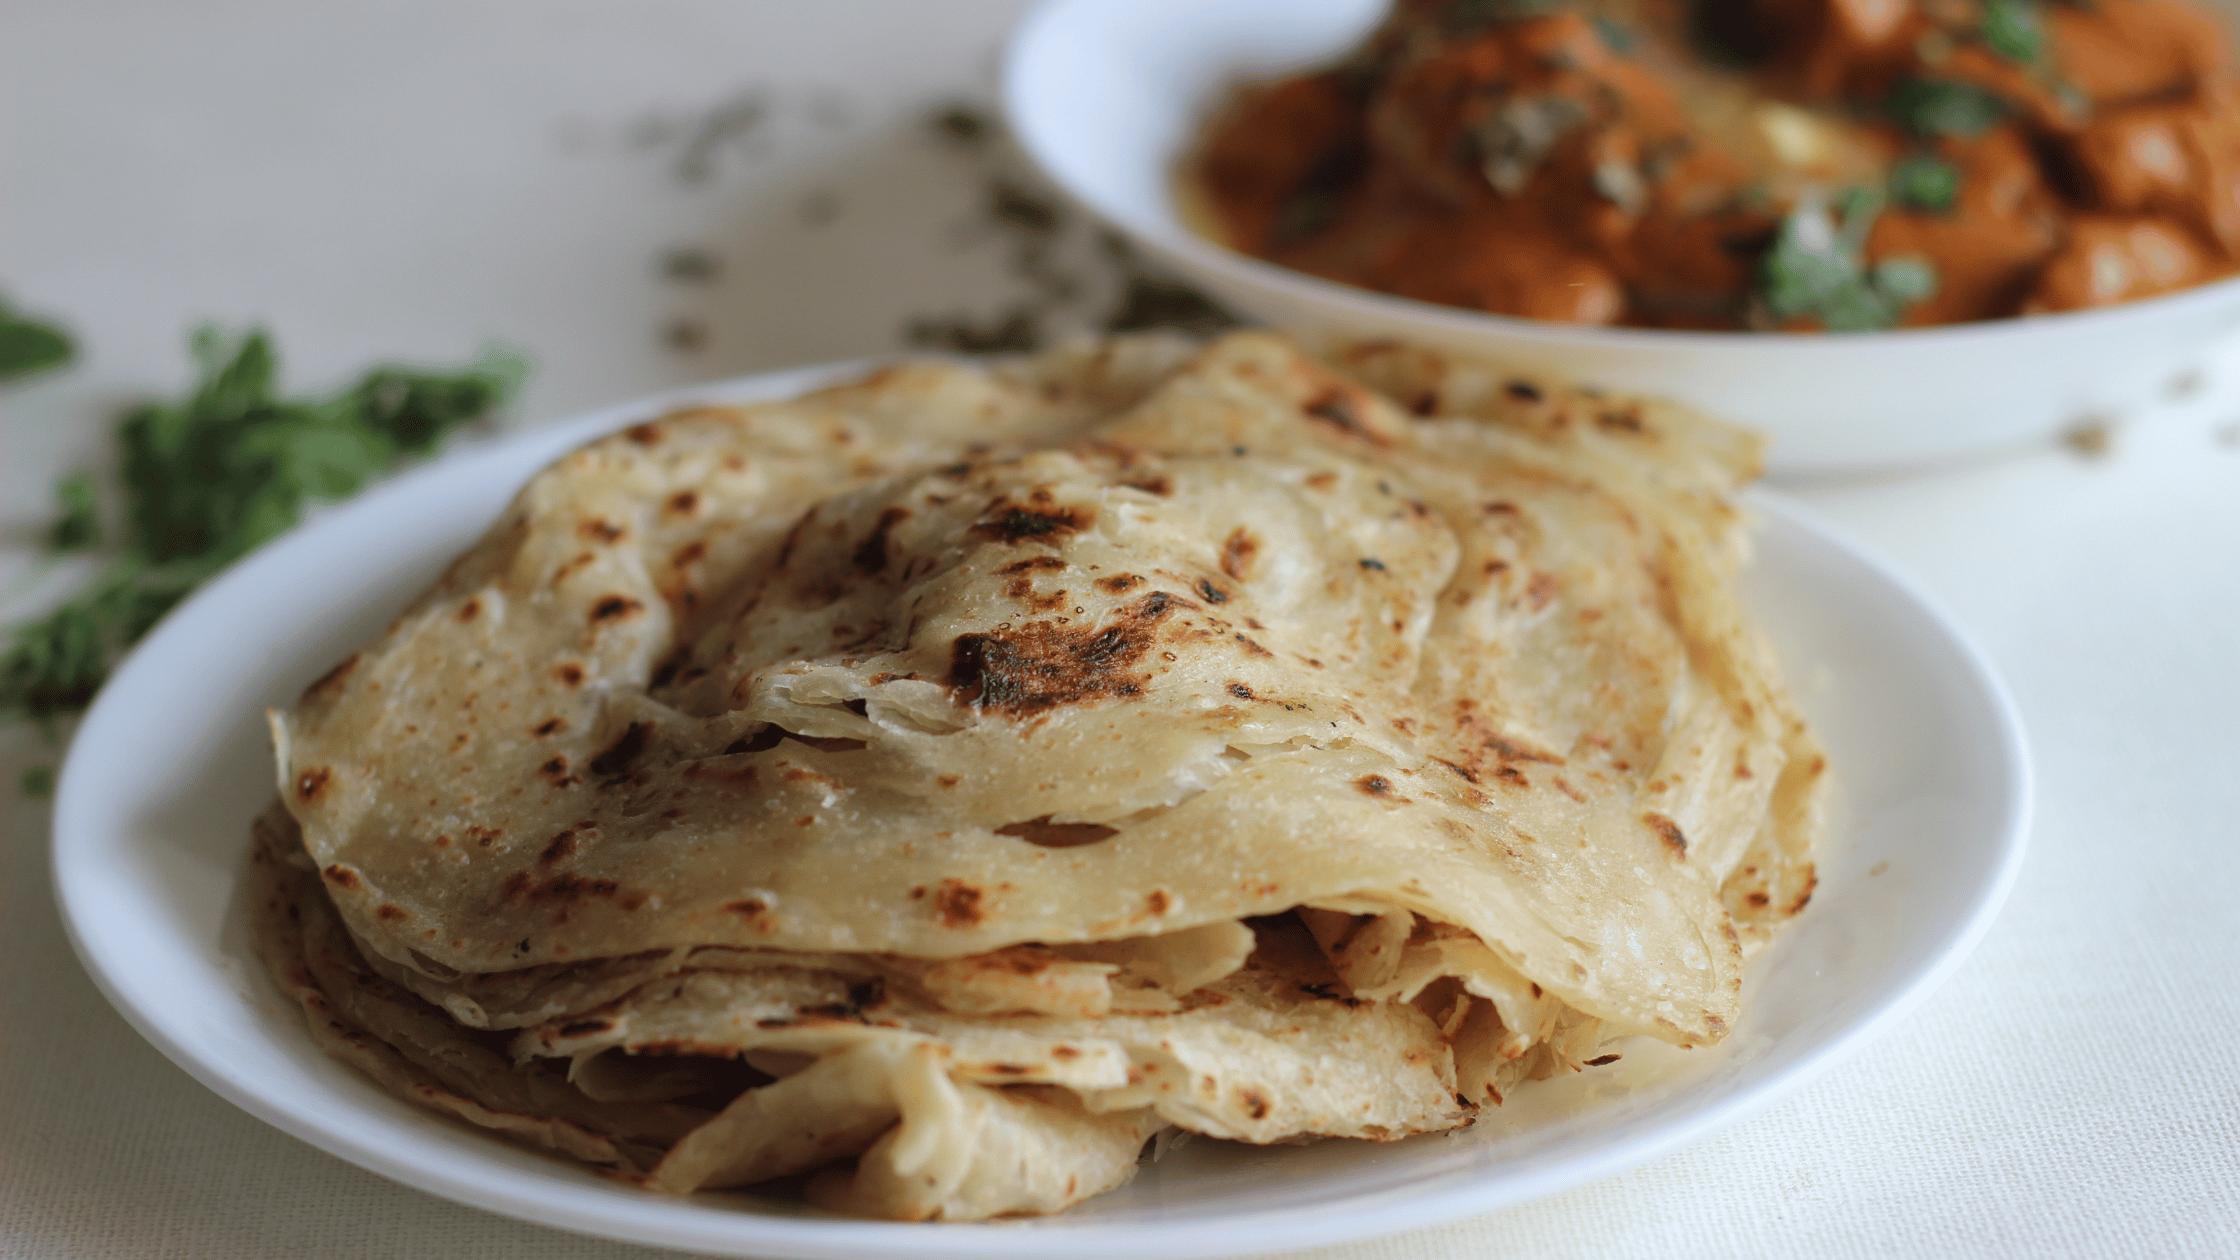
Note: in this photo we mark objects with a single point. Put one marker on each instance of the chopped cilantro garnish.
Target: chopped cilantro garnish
(209, 477)
(1944, 107)
(1815, 270)
(1906, 278)
(1923, 182)
(2014, 30)
(1616, 36)
(28, 345)
(1511, 142)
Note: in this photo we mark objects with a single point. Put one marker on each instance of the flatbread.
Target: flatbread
(1132, 698)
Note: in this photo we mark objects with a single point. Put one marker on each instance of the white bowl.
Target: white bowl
(1107, 94)
(151, 829)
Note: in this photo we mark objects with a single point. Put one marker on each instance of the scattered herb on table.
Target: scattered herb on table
(29, 346)
(1033, 223)
(1151, 301)
(730, 122)
(208, 478)
(1816, 270)
(1016, 331)
(79, 526)
(963, 123)
(691, 264)
(1022, 211)
(1038, 227)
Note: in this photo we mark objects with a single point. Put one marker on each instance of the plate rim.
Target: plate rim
(1244, 1232)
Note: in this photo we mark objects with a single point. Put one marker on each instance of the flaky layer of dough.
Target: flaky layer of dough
(965, 753)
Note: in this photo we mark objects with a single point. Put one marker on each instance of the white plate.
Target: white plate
(152, 818)
(1107, 95)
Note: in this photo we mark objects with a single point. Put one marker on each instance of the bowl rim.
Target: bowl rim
(1030, 40)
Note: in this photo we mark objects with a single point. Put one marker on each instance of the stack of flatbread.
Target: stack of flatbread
(938, 785)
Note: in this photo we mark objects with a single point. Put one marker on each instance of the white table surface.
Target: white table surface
(419, 177)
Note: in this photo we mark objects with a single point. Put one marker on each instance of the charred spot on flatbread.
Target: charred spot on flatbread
(1037, 519)
(1046, 664)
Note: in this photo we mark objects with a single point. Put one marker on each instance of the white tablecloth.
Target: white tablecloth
(418, 177)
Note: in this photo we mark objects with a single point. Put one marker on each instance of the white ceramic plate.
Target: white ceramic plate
(151, 828)
(1107, 95)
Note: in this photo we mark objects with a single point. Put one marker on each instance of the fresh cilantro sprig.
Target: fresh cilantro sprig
(1817, 270)
(208, 478)
(28, 346)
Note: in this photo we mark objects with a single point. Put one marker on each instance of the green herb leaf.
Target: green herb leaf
(1815, 269)
(1022, 211)
(2014, 30)
(28, 345)
(1152, 301)
(1944, 107)
(1923, 182)
(1017, 331)
(1156, 302)
(1616, 36)
(56, 663)
(965, 124)
(37, 782)
(79, 527)
(210, 477)
(1906, 278)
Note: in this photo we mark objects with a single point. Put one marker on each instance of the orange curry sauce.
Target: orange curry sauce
(1720, 164)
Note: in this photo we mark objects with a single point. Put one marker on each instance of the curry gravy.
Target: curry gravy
(1777, 164)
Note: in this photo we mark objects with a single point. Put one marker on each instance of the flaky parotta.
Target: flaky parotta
(944, 782)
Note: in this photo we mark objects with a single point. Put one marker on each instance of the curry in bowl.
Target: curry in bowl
(1794, 165)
